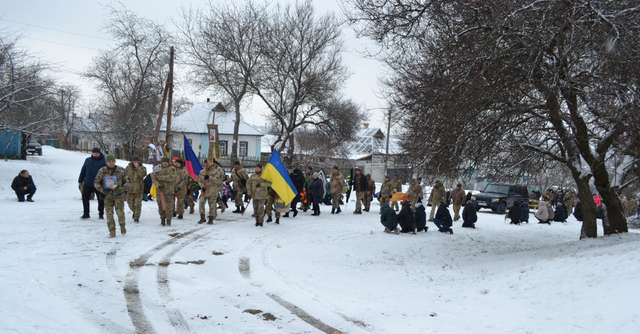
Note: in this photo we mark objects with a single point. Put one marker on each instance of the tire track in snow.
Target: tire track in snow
(176, 319)
(131, 291)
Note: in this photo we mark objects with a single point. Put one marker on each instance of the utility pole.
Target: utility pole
(386, 151)
(168, 137)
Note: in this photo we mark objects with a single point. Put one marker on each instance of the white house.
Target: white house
(193, 125)
(368, 150)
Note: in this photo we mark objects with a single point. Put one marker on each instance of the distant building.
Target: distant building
(368, 151)
(193, 124)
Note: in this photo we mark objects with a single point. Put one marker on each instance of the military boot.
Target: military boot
(269, 219)
(242, 208)
(333, 211)
(210, 222)
(163, 221)
(202, 219)
(112, 234)
(237, 210)
(278, 220)
(180, 216)
(123, 229)
(191, 210)
(169, 221)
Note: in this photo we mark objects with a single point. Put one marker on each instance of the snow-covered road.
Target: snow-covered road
(59, 274)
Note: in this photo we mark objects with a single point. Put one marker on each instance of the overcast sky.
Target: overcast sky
(70, 33)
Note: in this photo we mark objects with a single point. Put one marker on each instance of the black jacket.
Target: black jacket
(470, 213)
(443, 217)
(90, 170)
(20, 182)
(298, 179)
(406, 220)
(316, 190)
(421, 216)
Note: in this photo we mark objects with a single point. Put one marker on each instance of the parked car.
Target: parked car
(34, 148)
(499, 197)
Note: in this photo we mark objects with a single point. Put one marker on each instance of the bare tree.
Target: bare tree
(558, 78)
(130, 76)
(65, 105)
(23, 89)
(300, 70)
(222, 47)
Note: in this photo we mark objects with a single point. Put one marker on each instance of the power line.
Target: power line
(54, 29)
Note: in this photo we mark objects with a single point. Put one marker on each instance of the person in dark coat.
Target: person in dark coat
(514, 214)
(86, 180)
(388, 218)
(316, 193)
(560, 213)
(469, 212)
(443, 218)
(23, 185)
(577, 211)
(297, 177)
(147, 188)
(421, 217)
(406, 219)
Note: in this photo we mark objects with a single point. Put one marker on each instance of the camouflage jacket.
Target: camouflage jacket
(387, 188)
(239, 178)
(165, 179)
(210, 179)
(182, 180)
(134, 178)
(258, 187)
(110, 181)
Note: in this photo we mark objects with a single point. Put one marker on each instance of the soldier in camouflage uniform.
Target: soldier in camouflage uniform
(258, 189)
(183, 181)
(386, 191)
(210, 180)
(165, 181)
(134, 177)
(239, 178)
(415, 193)
(110, 181)
(371, 192)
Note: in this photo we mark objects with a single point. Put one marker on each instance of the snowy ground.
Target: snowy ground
(334, 274)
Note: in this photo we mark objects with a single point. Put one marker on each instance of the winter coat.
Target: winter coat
(415, 191)
(469, 214)
(90, 169)
(183, 179)
(388, 217)
(420, 217)
(524, 211)
(165, 179)
(315, 190)
(239, 177)
(148, 182)
(577, 212)
(543, 212)
(359, 183)
(298, 179)
(406, 219)
(258, 188)
(560, 214)
(437, 194)
(211, 179)
(337, 183)
(443, 218)
(20, 182)
(107, 176)
(134, 178)
(458, 196)
(387, 189)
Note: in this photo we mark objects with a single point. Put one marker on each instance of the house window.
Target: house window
(244, 149)
(223, 147)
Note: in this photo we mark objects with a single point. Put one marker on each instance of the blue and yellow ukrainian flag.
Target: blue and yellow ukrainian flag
(274, 172)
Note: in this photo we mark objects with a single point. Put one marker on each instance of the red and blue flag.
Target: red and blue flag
(191, 162)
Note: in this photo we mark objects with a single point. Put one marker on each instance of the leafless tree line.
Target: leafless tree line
(480, 81)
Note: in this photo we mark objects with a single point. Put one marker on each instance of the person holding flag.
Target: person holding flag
(275, 175)
(258, 189)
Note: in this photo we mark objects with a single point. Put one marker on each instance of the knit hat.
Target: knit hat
(111, 157)
(95, 150)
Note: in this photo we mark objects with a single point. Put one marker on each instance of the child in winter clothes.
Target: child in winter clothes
(406, 219)
(443, 218)
(469, 213)
(388, 218)
(420, 217)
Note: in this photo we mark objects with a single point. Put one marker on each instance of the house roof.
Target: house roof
(370, 141)
(196, 119)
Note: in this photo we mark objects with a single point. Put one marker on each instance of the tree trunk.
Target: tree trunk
(236, 130)
(589, 224)
(291, 148)
(617, 223)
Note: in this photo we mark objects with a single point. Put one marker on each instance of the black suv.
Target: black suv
(499, 197)
(34, 148)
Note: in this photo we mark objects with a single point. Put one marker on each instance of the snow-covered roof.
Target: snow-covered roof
(196, 119)
(370, 141)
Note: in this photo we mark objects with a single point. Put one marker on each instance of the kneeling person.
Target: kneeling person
(23, 185)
